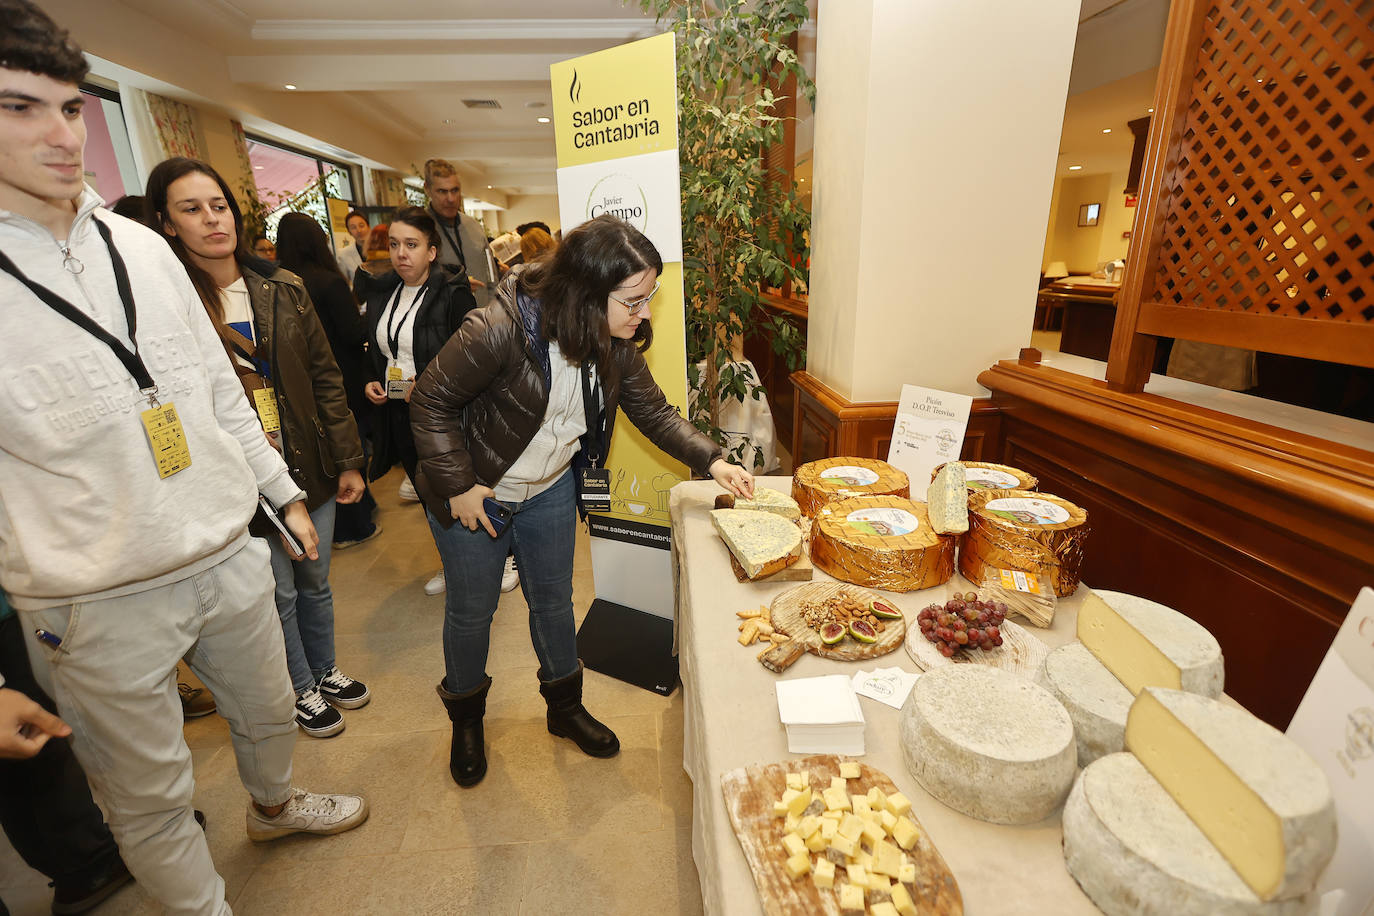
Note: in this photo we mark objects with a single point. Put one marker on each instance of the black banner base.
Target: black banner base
(629, 645)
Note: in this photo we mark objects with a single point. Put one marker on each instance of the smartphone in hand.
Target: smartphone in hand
(497, 513)
(292, 544)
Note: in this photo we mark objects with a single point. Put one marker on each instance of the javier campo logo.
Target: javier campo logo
(619, 195)
(575, 88)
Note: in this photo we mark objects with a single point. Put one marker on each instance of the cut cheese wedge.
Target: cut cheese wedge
(947, 500)
(762, 542)
(764, 500)
(1258, 797)
(1134, 851)
(1149, 645)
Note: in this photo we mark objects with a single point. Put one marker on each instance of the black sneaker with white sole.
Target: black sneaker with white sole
(316, 717)
(341, 690)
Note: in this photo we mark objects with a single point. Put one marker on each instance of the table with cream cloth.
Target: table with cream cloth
(730, 720)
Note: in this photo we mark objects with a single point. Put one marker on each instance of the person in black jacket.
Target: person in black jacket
(411, 314)
(303, 249)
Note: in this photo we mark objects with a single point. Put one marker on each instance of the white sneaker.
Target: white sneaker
(306, 812)
(510, 578)
(436, 585)
(407, 492)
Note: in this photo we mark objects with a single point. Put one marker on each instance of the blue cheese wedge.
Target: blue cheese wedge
(762, 542)
(764, 500)
(947, 500)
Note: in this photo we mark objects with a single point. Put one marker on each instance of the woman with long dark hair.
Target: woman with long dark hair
(523, 395)
(275, 341)
(303, 249)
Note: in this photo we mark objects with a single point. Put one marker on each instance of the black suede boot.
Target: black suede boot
(568, 718)
(467, 760)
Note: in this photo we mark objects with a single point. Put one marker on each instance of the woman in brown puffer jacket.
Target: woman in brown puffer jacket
(506, 417)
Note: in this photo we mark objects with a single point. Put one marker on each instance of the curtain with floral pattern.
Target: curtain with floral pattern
(176, 127)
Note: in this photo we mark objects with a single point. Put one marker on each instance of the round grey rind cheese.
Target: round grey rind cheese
(1186, 642)
(1135, 852)
(988, 743)
(1095, 700)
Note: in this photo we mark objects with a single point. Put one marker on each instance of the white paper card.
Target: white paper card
(1335, 724)
(827, 700)
(642, 190)
(929, 430)
(886, 685)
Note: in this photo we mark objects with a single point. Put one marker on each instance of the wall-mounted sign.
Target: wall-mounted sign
(1132, 199)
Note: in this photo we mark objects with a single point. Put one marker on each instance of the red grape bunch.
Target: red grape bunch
(963, 622)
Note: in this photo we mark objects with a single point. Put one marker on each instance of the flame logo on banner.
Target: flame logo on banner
(575, 88)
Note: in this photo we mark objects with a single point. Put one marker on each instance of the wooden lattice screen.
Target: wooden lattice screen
(1257, 204)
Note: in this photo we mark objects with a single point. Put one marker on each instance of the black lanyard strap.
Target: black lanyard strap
(393, 329)
(132, 359)
(589, 408)
(455, 239)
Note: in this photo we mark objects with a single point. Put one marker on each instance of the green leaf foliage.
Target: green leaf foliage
(742, 226)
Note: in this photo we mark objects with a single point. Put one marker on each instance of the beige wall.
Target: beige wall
(527, 208)
(937, 132)
(1079, 246)
(1116, 219)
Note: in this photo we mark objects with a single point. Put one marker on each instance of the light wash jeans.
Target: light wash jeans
(543, 531)
(114, 681)
(305, 603)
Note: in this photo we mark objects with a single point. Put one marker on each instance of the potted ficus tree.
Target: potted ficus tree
(743, 226)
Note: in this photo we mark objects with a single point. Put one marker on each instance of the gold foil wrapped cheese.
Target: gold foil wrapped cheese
(818, 482)
(1026, 531)
(881, 542)
(984, 475)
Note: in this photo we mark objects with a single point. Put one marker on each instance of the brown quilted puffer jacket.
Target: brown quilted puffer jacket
(480, 401)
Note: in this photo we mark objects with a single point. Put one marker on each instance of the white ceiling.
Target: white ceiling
(399, 74)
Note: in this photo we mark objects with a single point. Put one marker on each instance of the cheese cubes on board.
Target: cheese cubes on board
(988, 743)
(1260, 799)
(762, 542)
(1146, 644)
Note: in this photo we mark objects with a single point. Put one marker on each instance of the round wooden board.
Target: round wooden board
(786, 613)
(1020, 653)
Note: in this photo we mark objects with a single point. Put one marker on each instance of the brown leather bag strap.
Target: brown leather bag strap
(236, 340)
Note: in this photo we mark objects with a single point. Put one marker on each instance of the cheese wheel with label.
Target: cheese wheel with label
(1252, 791)
(984, 475)
(1146, 644)
(1135, 852)
(881, 542)
(1022, 530)
(1095, 700)
(988, 743)
(818, 482)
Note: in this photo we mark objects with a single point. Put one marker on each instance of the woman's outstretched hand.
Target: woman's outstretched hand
(733, 478)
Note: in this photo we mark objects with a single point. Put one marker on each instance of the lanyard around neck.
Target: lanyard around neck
(455, 239)
(132, 359)
(593, 454)
(393, 328)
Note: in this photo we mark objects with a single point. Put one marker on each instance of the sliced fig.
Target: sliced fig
(832, 633)
(863, 631)
(881, 608)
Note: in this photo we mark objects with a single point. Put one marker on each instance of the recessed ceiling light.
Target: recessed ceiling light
(258, 167)
(1075, 168)
(488, 187)
(448, 120)
(1150, 111)
(542, 120)
(1106, 130)
(290, 85)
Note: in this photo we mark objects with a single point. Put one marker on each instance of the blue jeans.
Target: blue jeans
(305, 603)
(543, 532)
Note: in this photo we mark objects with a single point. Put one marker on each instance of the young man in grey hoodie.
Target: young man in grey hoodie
(130, 465)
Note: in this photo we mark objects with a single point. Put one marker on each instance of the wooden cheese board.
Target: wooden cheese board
(786, 611)
(1021, 652)
(749, 793)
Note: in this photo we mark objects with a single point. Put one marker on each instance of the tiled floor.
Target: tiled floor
(549, 829)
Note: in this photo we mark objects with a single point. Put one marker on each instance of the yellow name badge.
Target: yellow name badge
(167, 439)
(265, 399)
(393, 374)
